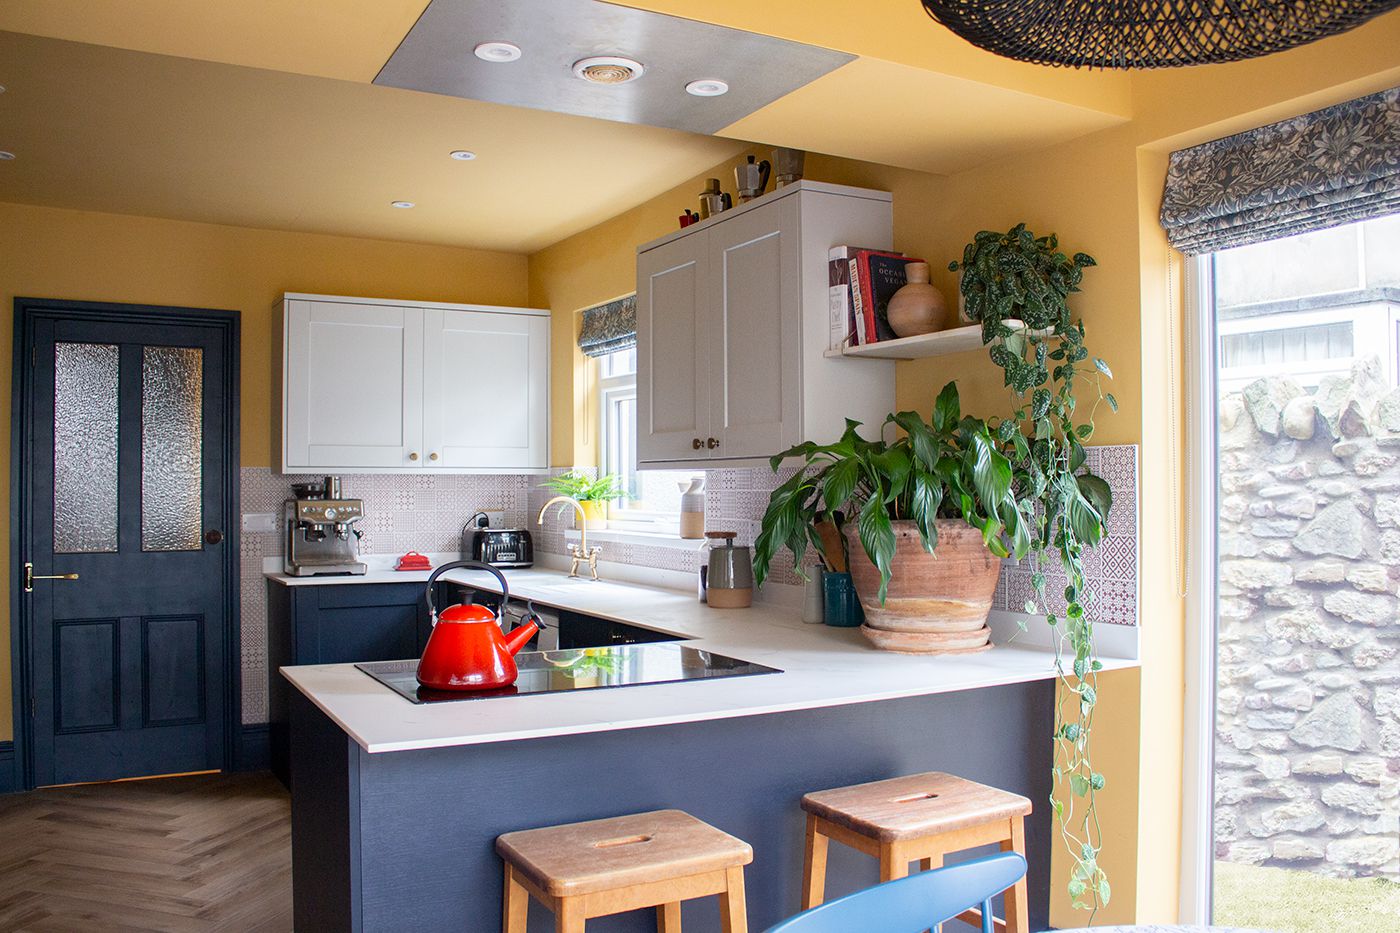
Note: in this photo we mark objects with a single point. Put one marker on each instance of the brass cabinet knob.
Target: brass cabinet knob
(696, 443)
(413, 455)
(432, 456)
(712, 443)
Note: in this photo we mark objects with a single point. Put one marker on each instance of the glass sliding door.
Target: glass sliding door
(1304, 743)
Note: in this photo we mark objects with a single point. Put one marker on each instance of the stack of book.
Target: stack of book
(862, 282)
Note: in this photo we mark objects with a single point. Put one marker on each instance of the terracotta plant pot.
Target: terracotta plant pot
(936, 595)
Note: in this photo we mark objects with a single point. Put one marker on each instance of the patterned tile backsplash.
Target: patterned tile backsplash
(425, 513)
(1111, 569)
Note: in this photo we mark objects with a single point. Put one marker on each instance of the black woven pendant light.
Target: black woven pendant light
(1147, 33)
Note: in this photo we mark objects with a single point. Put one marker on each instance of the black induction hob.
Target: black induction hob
(578, 669)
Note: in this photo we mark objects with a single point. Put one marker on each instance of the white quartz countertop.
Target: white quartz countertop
(822, 666)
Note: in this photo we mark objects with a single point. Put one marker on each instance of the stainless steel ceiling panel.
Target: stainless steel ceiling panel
(436, 56)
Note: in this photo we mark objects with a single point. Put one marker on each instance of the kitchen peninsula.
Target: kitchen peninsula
(396, 805)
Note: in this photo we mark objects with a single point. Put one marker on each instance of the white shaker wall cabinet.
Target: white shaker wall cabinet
(732, 331)
(374, 386)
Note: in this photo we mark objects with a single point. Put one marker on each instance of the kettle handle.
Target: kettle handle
(474, 565)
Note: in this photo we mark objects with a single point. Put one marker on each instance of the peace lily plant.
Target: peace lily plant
(1019, 479)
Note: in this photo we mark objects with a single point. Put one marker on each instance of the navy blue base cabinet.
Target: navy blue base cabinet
(405, 840)
(329, 624)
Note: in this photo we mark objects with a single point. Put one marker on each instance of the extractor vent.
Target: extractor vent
(608, 69)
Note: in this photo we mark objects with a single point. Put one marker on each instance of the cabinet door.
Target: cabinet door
(352, 390)
(673, 406)
(486, 390)
(755, 332)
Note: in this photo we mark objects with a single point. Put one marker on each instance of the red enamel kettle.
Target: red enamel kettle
(466, 649)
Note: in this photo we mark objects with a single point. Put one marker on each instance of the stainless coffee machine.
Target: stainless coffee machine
(321, 533)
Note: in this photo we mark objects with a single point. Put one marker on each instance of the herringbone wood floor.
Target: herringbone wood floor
(197, 854)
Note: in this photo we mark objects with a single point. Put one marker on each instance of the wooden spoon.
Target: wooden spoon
(833, 546)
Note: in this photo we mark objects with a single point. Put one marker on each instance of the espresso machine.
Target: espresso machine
(321, 535)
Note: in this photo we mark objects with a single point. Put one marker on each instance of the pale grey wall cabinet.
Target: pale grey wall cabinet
(733, 326)
(375, 386)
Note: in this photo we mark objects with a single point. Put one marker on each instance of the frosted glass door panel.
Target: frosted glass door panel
(85, 447)
(172, 448)
(485, 389)
(353, 384)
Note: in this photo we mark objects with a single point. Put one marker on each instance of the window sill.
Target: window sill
(639, 538)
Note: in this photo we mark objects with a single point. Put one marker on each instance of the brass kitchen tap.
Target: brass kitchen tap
(581, 551)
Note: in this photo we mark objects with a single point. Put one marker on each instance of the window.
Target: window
(654, 495)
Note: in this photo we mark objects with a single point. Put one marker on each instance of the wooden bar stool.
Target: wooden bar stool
(923, 817)
(601, 867)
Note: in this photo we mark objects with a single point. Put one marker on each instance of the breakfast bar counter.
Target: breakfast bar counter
(396, 805)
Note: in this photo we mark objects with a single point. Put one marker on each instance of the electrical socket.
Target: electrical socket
(259, 522)
(497, 519)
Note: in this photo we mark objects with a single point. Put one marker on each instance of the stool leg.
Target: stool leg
(517, 904)
(893, 863)
(733, 911)
(568, 915)
(668, 918)
(1015, 901)
(929, 864)
(814, 869)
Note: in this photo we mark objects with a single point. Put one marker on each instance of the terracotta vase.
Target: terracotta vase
(918, 307)
(936, 603)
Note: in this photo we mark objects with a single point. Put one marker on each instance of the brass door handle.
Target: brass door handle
(712, 443)
(30, 576)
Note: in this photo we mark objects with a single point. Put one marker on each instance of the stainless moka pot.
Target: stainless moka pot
(751, 178)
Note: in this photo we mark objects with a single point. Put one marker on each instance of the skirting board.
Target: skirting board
(253, 751)
(9, 777)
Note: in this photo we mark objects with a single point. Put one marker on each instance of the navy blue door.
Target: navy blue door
(128, 496)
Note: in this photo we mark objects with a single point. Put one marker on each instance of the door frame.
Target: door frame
(29, 311)
(1202, 460)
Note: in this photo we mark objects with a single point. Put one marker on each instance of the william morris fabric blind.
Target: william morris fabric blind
(610, 327)
(1329, 167)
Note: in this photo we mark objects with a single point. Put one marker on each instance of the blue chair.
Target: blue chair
(919, 902)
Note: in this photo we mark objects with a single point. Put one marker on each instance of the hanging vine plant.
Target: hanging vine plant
(1017, 286)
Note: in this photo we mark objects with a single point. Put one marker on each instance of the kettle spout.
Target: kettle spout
(520, 636)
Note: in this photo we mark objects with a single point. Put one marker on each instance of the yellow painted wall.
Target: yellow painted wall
(51, 253)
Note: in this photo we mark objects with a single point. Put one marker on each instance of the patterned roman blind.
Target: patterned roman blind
(1329, 167)
(610, 327)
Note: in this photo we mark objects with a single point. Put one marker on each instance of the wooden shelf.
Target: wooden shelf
(956, 340)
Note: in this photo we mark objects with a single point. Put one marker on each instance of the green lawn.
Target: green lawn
(1302, 902)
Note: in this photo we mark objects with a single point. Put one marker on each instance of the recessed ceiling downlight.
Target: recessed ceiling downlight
(462, 155)
(608, 69)
(707, 87)
(497, 51)
(402, 205)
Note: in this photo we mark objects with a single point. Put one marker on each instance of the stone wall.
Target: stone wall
(1308, 701)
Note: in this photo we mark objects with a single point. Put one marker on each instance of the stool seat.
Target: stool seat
(914, 806)
(599, 855)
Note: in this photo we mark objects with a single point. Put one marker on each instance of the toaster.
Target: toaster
(499, 547)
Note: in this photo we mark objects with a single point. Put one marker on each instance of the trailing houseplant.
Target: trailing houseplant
(1017, 285)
